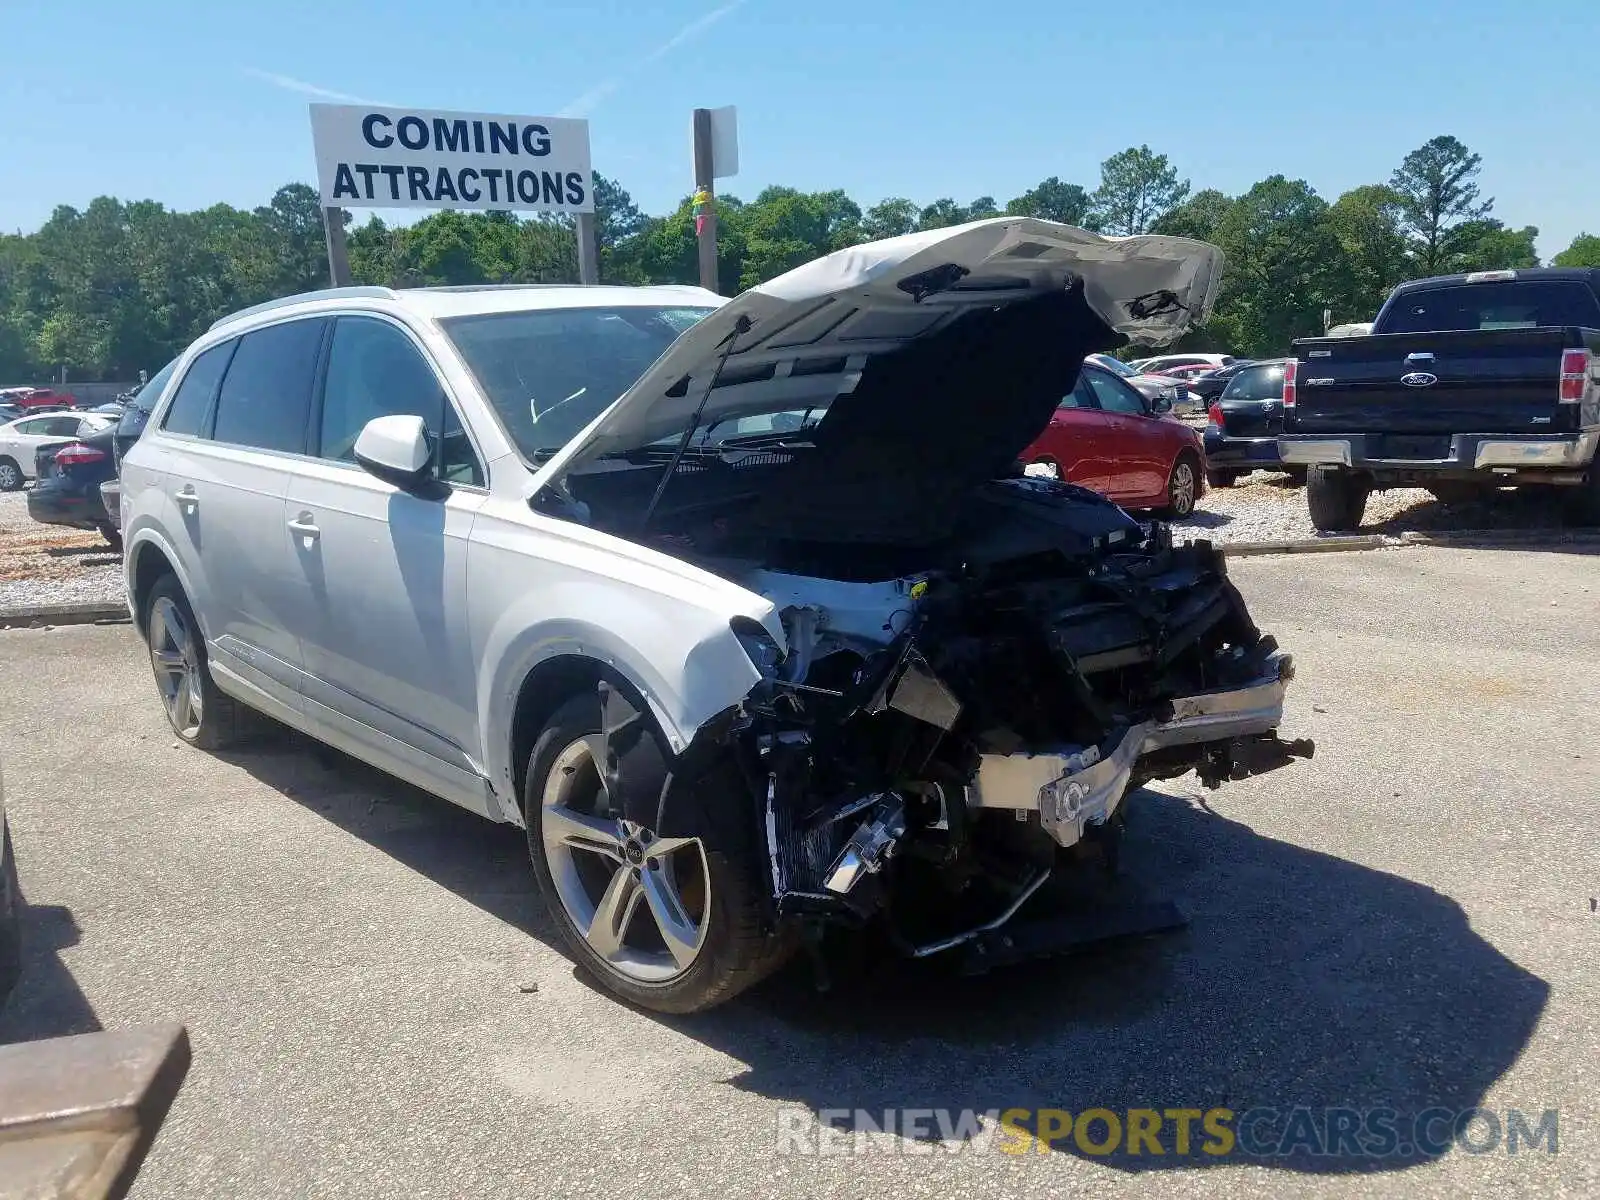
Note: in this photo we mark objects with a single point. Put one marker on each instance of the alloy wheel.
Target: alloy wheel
(174, 658)
(10, 478)
(642, 903)
(1181, 492)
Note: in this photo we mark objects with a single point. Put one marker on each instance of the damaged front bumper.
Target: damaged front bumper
(1083, 786)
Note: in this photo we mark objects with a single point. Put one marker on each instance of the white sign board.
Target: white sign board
(370, 157)
(725, 142)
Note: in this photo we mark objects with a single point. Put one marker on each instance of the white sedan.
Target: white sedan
(20, 441)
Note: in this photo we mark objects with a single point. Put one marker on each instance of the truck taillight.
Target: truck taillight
(1574, 374)
(1290, 370)
(1214, 415)
(77, 454)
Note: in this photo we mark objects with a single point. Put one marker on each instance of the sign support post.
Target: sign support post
(588, 251)
(338, 255)
(705, 199)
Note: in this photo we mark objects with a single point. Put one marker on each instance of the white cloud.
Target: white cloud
(290, 84)
(688, 33)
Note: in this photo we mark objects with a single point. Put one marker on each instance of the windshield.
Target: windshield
(1116, 366)
(549, 372)
(1512, 304)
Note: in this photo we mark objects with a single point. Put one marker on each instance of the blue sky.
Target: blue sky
(192, 103)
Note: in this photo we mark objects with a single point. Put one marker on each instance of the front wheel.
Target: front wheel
(1183, 488)
(668, 919)
(10, 476)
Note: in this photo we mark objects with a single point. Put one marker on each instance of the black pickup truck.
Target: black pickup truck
(1466, 383)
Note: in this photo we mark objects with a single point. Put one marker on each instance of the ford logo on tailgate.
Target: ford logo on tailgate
(1419, 379)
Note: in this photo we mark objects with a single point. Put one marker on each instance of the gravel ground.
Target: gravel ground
(1269, 506)
(50, 564)
(379, 1005)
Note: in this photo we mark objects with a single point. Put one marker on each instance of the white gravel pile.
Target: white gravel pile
(47, 564)
(1267, 506)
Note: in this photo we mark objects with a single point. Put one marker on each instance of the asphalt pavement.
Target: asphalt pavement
(378, 1006)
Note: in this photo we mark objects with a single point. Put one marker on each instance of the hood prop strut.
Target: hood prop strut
(740, 328)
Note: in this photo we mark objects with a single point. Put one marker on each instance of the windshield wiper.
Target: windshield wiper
(740, 328)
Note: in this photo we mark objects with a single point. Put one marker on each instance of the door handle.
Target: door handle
(305, 526)
(186, 497)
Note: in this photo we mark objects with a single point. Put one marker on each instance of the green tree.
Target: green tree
(1053, 200)
(1488, 245)
(941, 214)
(1283, 267)
(1137, 188)
(889, 218)
(1584, 252)
(1368, 223)
(1197, 217)
(1438, 190)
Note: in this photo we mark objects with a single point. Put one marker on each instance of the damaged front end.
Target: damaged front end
(930, 749)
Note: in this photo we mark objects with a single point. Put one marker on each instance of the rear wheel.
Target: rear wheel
(668, 919)
(1337, 499)
(1183, 487)
(197, 709)
(1221, 479)
(112, 535)
(10, 475)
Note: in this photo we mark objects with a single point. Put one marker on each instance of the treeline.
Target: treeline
(122, 286)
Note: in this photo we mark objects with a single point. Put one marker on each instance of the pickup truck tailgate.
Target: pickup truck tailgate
(1476, 380)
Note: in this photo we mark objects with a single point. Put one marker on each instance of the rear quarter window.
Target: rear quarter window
(192, 401)
(265, 401)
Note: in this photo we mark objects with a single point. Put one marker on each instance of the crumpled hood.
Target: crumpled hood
(806, 337)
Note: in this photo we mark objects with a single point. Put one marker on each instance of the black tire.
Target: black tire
(113, 537)
(1221, 479)
(1336, 499)
(1183, 488)
(10, 917)
(222, 721)
(738, 949)
(11, 478)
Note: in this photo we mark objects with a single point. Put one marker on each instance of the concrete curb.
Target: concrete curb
(1470, 538)
(82, 612)
(1328, 545)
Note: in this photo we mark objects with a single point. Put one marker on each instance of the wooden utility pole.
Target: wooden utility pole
(588, 251)
(338, 255)
(705, 199)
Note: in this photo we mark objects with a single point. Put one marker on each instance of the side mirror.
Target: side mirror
(396, 449)
(1161, 404)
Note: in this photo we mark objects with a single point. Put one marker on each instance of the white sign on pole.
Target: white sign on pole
(414, 158)
(725, 142)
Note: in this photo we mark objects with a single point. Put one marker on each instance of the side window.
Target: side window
(266, 396)
(374, 370)
(191, 402)
(1114, 395)
(1082, 395)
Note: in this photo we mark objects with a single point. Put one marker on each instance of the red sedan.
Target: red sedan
(1108, 437)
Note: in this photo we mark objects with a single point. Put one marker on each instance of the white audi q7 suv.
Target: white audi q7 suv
(744, 610)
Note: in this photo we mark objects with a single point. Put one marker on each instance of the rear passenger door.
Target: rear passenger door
(382, 572)
(235, 427)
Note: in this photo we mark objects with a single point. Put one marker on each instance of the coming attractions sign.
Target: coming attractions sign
(412, 158)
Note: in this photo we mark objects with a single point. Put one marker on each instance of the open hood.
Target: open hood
(808, 336)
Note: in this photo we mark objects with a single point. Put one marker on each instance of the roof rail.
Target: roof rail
(338, 293)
